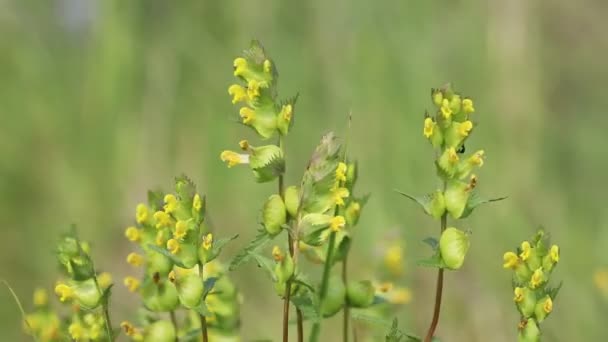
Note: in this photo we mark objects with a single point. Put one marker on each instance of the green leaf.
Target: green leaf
(475, 200)
(386, 324)
(424, 201)
(203, 310)
(265, 263)
(105, 296)
(245, 254)
(306, 303)
(303, 280)
(554, 291)
(208, 286)
(168, 254)
(434, 261)
(432, 242)
(341, 249)
(220, 244)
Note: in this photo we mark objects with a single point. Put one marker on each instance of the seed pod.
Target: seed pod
(157, 263)
(351, 174)
(334, 300)
(284, 269)
(190, 289)
(525, 300)
(292, 200)
(456, 197)
(453, 245)
(274, 214)
(437, 206)
(160, 331)
(87, 293)
(360, 294)
(160, 297)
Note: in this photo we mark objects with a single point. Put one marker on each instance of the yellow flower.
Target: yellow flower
(181, 228)
(135, 259)
(41, 297)
(477, 158)
(171, 276)
(238, 93)
(197, 204)
(511, 260)
(240, 65)
(131, 283)
(519, 294)
(277, 254)
(400, 296)
(287, 112)
(208, 241)
(548, 306)
(244, 145)
(446, 110)
(64, 292)
(173, 246)
(467, 106)
(133, 234)
(141, 213)
(253, 89)
(384, 287)
(160, 238)
(341, 172)
(526, 249)
(170, 203)
(393, 259)
(537, 278)
(247, 114)
(429, 127)
(232, 158)
(131, 331)
(267, 66)
(600, 279)
(162, 219)
(452, 155)
(554, 253)
(336, 223)
(339, 194)
(465, 128)
(104, 279)
(76, 331)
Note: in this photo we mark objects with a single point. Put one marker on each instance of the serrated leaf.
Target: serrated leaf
(185, 187)
(554, 291)
(475, 200)
(244, 255)
(168, 254)
(432, 242)
(265, 263)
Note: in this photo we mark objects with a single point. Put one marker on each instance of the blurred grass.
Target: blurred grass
(101, 100)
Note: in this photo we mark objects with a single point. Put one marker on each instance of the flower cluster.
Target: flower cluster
(178, 257)
(532, 265)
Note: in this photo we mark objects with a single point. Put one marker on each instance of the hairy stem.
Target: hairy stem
(438, 291)
(346, 317)
(316, 328)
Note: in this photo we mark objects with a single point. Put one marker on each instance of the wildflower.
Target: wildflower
(133, 234)
(477, 158)
(400, 296)
(208, 241)
(238, 93)
(181, 228)
(244, 145)
(253, 89)
(160, 238)
(452, 155)
(247, 114)
(465, 128)
(135, 259)
(429, 127)
(173, 246)
(336, 223)
(339, 194)
(240, 65)
(548, 306)
(537, 278)
(41, 298)
(170, 203)
(162, 219)
(286, 112)
(233, 158)
(76, 331)
(467, 106)
(277, 254)
(104, 279)
(131, 283)
(554, 253)
(130, 330)
(141, 213)
(393, 259)
(519, 294)
(341, 172)
(267, 66)
(511, 260)
(171, 276)
(64, 292)
(446, 110)
(385, 287)
(197, 204)
(526, 249)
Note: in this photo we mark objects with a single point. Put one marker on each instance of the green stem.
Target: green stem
(316, 328)
(106, 312)
(174, 322)
(346, 318)
(438, 291)
(203, 318)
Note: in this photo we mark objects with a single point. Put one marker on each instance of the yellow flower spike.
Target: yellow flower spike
(336, 223)
(247, 114)
(537, 278)
(277, 254)
(465, 128)
(240, 65)
(244, 145)
(253, 89)
(548, 306)
(41, 297)
(162, 219)
(197, 203)
(238, 93)
(104, 279)
(400, 296)
(133, 234)
(208, 241)
(393, 259)
(429, 127)
(160, 238)
(131, 283)
(341, 172)
(232, 158)
(135, 259)
(339, 194)
(181, 228)
(526, 249)
(467, 106)
(76, 331)
(267, 66)
(511, 260)
(287, 112)
(446, 110)
(170, 203)
(64, 292)
(518, 294)
(554, 253)
(141, 213)
(452, 155)
(477, 158)
(173, 246)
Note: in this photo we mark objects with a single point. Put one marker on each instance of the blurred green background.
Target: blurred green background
(102, 100)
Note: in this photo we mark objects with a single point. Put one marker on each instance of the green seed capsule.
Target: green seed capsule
(453, 245)
(190, 289)
(160, 297)
(87, 293)
(529, 331)
(334, 301)
(160, 331)
(274, 214)
(292, 200)
(360, 294)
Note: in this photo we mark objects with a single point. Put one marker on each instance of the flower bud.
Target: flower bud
(360, 294)
(437, 97)
(351, 174)
(456, 104)
(160, 331)
(551, 259)
(334, 300)
(190, 290)
(274, 215)
(284, 268)
(284, 118)
(530, 255)
(543, 308)
(528, 331)
(292, 200)
(453, 245)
